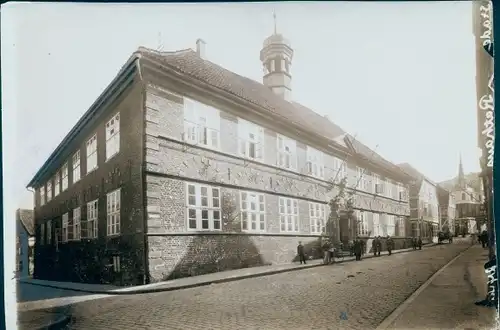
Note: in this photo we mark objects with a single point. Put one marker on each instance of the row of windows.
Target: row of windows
(202, 127)
(61, 178)
(204, 212)
(75, 228)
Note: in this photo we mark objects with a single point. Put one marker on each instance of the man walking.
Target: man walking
(390, 244)
(419, 243)
(358, 248)
(300, 252)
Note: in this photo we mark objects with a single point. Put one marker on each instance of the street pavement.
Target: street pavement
(448, 301)
(354, 295)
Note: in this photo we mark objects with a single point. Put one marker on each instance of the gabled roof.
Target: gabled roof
(25, 217)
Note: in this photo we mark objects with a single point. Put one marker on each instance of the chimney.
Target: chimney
(200, 48)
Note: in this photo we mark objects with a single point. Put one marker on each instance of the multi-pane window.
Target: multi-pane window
(361, 179)
(340, 169)
(201, 124)
(203, 205)
(49, 232)
(400, 227)
(77, 230)
(76, 166)
(253, 211)
(391, 225)
(42, 234)
(65, 223)
(49, 191)
(289, 214)
(92, 219)
(376, 224)
(287, 153)
(250, 140)
(315, 163)
(113, 136)
(395, 190)
(64, 177)
(317, 217)
(377, 184)
(57, 183)
(42, 195)
(362, 228)
(113, 212)
(92, 153)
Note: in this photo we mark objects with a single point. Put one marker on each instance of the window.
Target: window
(49, 232)
(315, 165)
(361, 179)
(376, 184)
(317, 217)
(113, 136)
(287, 153)
(65, 223)
(92, 154)
(251, 140)
(42, 195)
(92, 219)
(400, 226)
(376, 224)
(64, 177)
(203, 204)
(340, 169)
(77, 230)
(57, 183)
(391, 225)
(201, 124)
(116, 264)
(415, 229)
(253, 211)
(49, 191)
(289, 214)
(42, 234)
(362, 223)
(76, 166)
(113, 215)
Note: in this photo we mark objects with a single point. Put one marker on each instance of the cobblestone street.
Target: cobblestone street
(355, 295)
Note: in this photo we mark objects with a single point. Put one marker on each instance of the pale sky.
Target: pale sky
(400, 75)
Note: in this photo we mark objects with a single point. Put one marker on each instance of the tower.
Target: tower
(276, 57)
(461, 176)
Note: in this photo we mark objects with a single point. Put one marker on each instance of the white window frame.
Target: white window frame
(362, 225)
(376, 224)
(42, 195)
(116, 264)
(250, 140)
(376, 181)
(197, 204)
(340, 169)
(65, 225)
(75, 163)
(317, 216)
(113, 136)
(113, 212)
(91, 147)
(77, 228)
(49, 191)
(391, 225)
(42, 234)
(64, 177)
(253, 211)
(57, 184)
(92, 219)
(401, 226)
(361, 177)
(315, 163)
(289, 215)
(201, 124)
(287, 152)
(49, 232)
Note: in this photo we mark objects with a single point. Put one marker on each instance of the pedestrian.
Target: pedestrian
(414, 242)
(379, 245)
(390, 244)
(300, 252)
(358, 248)
(326, 252)
(374, 246)
(419, 243)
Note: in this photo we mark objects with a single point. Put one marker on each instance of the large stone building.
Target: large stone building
(182, 167)
(424, 205)
(447, 209)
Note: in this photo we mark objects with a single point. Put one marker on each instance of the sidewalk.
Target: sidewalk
(190, 282)
(42, 319)
(446, 301)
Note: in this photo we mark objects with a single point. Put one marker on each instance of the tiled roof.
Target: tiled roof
(27, 220)
(190, 63)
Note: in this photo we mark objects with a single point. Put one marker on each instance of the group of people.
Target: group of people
(483, 238)
(416, 242)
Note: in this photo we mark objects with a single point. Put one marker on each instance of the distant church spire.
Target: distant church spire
(274, 17)
(461, 175)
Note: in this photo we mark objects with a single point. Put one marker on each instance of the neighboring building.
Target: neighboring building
(424, 206)
(467, 191)
(447, 209)
(182, 167)
(24, 242)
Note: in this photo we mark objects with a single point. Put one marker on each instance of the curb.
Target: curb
(56, 325)
(217, 281)
(389, 320)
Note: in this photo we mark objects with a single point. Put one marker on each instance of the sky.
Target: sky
(397, 75)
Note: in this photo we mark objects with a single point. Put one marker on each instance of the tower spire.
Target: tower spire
(461, 175)
(274, 18)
